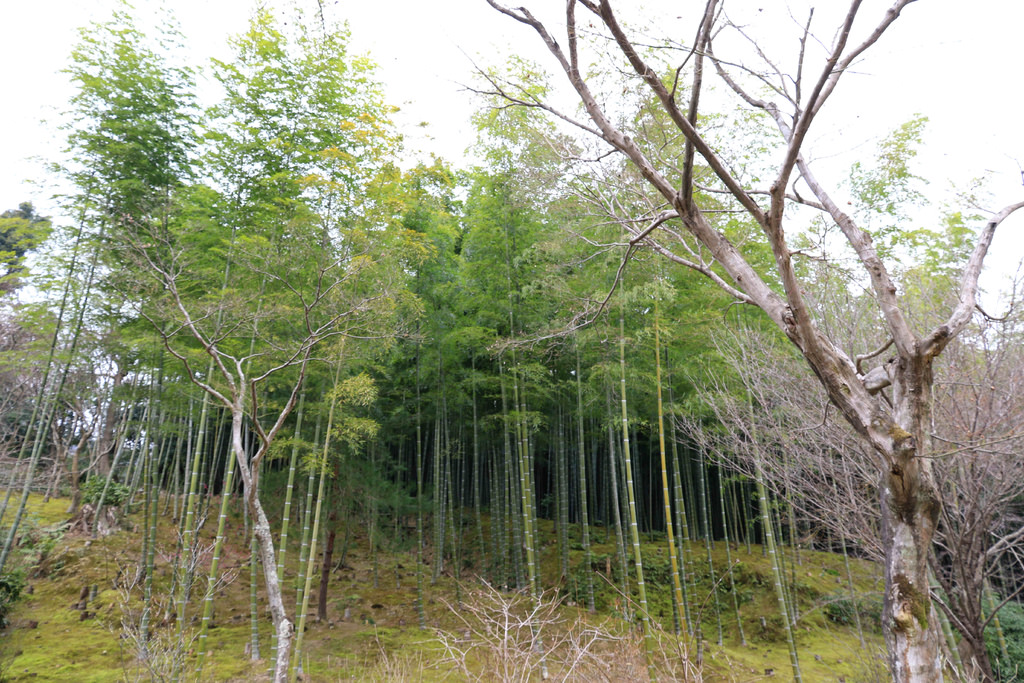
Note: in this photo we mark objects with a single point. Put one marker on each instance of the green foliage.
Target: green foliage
(12, 583)
(21, 231)
(132, 128)
(841, 609)
(887, 187)
(301, 123)
(1011, 619)
(886, 190)
(37, 543)
(92, 489)
(359, 390)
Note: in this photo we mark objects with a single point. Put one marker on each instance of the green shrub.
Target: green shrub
(92, 489)
(841, 609)
(11, 585)
(36, 541)
(1011, 619)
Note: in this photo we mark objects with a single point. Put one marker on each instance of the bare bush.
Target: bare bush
(153, 646)
(511, 637)
(779, 429)
(150, 654)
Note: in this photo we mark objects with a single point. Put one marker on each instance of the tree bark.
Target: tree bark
(76, 492)
(265, 545)
(107, 441)
(910, 508)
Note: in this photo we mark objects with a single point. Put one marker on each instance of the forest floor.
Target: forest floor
(372, 628)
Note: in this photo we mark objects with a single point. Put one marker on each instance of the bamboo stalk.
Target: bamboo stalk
(584, 519)
(780, 595)
(677, 588)
(631, 497)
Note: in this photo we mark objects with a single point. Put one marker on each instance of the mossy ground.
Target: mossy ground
(372, 633)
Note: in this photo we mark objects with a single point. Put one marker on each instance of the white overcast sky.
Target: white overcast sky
(957, 62)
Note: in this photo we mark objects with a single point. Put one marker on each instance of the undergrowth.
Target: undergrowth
(372, 632)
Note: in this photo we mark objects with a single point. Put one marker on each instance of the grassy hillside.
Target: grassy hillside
(372, 628)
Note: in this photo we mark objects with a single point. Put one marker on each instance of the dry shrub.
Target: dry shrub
(512, 637)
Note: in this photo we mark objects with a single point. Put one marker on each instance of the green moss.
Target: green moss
(899, 434)
(381, 642)
(914, 605)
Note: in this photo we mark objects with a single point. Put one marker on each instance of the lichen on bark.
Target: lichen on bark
(910, 605)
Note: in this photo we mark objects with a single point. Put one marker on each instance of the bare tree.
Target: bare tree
(779, 428)
(977, 467)
(978, 415)
(897, 429)
(19, 377)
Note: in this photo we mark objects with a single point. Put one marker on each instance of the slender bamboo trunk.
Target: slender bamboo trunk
(296, 664)
(30, 436)
(849, 578)
(186, 548)
(1004, 653)
(525, 483)
(47, 421)
(420, 609)
(631, 496)
(113, 467)
(152, 507)
(307, 513)
(188, 531)
(451, 476)
(372, 531)
(211, 581)
(477, 466)
(705, 531)
(562, 491)
(686, 561)
(728, 561)
(680, 619)
(325, 571)
(282, 548)
(439, 509)
(584, 519)
(499, 522)
(184, 439)
(947, 630)
(613, 502)
(512, 488)
(769, 537)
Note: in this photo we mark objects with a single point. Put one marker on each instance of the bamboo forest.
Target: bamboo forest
(638, 387)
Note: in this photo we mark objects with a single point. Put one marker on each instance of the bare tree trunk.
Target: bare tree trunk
(265, 545)
(910, 507)
(76, 493)
(911, 632)
(107, 441)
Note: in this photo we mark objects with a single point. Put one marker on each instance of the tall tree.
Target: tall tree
(21, 231)
(897, 429)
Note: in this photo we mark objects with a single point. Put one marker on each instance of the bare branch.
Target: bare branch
(961, 315)
(700, 44)
(868, 356)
